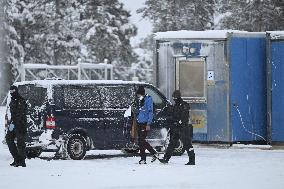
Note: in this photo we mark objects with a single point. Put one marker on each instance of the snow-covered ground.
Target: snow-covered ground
(215, 169)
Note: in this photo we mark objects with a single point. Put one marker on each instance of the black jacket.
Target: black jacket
(180, 113)
(18, 109)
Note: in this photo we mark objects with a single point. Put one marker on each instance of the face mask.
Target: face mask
(140, 98)
(177, 100)
(13, 93)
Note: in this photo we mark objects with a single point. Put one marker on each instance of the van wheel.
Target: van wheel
(33, 153)
(178, 151)
(76, 147)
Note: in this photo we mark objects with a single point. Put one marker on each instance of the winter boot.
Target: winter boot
(13, 164)
(21, 164)
(155, 157)
(164, 161)
(142, 162)
(191, 158)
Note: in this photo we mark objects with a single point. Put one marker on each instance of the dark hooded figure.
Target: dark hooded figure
(17, 128)
(181, 129)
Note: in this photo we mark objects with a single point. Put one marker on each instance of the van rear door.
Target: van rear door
(36, 98)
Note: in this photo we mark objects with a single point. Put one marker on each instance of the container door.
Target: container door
(36, 98)
(277, 60)
(248, 89)
(191, 81)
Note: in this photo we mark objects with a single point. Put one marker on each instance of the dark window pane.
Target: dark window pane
(81, 97)
(159, 102)
(35, 96)
(117, 96)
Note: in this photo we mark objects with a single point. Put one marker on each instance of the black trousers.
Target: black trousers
(18, 151)
(143, 144)
(185, 135)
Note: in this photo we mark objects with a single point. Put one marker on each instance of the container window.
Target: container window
(191, 79)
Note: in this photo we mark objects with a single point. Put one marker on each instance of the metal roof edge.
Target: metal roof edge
(249, 34)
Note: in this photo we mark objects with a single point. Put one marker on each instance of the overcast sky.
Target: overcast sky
(144, 26)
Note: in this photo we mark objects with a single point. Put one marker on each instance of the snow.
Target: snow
(185, 34)
(81, 65)
(48, 83)
(216, 168)
(144, 26)
(276, 34)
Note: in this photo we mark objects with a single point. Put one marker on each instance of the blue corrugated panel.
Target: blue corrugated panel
(277, 61)
(248, 89)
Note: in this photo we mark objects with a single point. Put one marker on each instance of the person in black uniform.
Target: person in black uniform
(17, 128)
(181, 129)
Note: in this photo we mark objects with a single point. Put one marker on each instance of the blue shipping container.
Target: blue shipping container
(232, 106)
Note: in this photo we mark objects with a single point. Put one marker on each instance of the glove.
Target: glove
(11, 127)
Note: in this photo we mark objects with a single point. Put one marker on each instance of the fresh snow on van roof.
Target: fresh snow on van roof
(46, 83)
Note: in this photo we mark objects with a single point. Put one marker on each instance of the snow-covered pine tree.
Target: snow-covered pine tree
(61, 32)
(41, 32)
(15, 17)
(143, 69)
(108, 35)
(5, 67)
(175, 15)
(59, 37)
(253, 15)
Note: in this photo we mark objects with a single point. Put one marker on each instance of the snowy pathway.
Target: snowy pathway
(215, 169)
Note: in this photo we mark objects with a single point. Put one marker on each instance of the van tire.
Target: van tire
(33, 153)
(76, 147)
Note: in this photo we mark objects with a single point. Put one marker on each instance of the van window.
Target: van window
(159, 102)
(34, 95)
(117, 96)
(81, 97)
